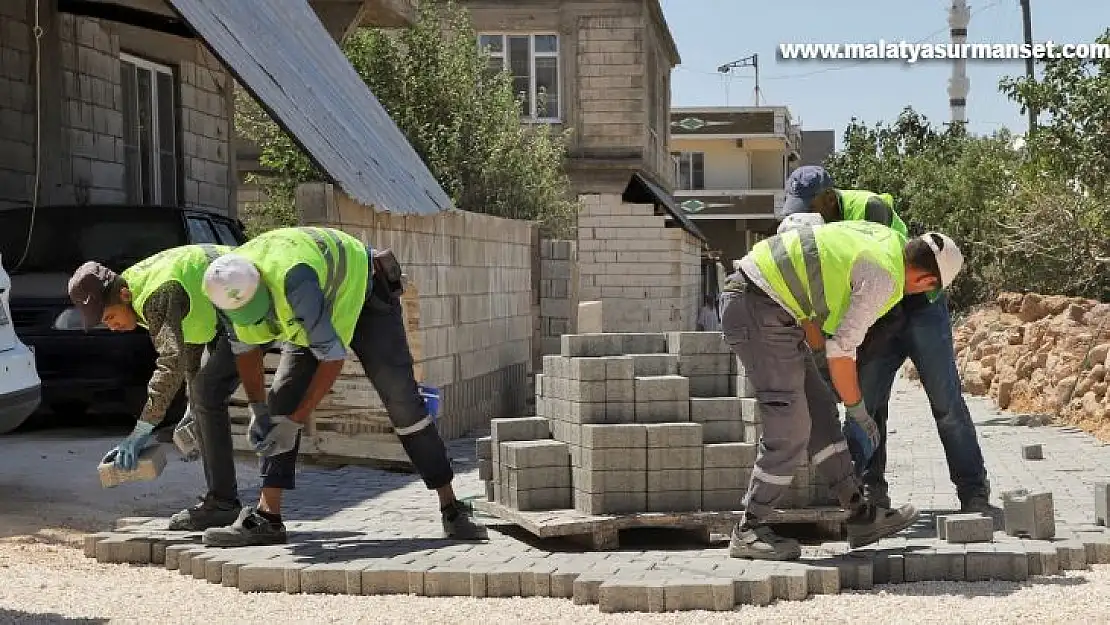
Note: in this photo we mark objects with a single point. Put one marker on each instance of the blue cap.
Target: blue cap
(804, 184)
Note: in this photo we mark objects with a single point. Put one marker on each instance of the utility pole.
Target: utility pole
(749, 61)
(1027, 25)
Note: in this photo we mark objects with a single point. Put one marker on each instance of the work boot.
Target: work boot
(250, 529)
(980, 504)
(756, 541)
(876, 495)
(458, 524)
(210, 512)
(872, 523)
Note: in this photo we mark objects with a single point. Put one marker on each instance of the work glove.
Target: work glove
(861, 429)
(281, 438)
(260, 424)
(127, 452)
(185, 437)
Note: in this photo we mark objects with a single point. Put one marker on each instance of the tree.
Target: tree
(462, 119)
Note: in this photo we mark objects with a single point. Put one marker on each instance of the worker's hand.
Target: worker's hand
(281, 438)
(127, 453)
(862, 430)
(260, 424)
(185, 437)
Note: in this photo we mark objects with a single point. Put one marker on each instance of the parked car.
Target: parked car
(20, 388)
(95, 369)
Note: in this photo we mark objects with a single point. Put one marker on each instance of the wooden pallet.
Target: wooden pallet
(602, 532)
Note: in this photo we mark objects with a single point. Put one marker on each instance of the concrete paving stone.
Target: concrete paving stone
(485, 470)
(519, 480)
(559, 498)
(613, 436)
(1097, 545)
(503, 583)
(590, 345)
(517, 429)
(630, 595)
(383, 578)
(534, 454)
(823, 580)
(482, 448)
(661, 480)
(978, 562)
(705, 364)
(123, 549)
(671, 435)
(790, 584)
(917, 566)
(729, 455)
(580, 413)
(723, 432)
(648, 412)
(1013, 564)
(1031, 515)
(91, 540)
(654, 364)
(688, 458)
(642, 342)
(749, 410)
(709, 385)
(707, 409)
(610, 502)
(714, 594)
(568, 433)
(597, 482)
(630, 459)
(200, 564)
(587, 587)
(1072, 555)
(856, 573)
(740, 385)
(1041, 557)
(589, 368)
(753, 589)
(271, 577)
(416, 572)
(562, 583)
(588, 391)
(968, 528)
(1102, 503)
(673, 500)
(722, 500)
(1032, 452)
(185, 559)
(447, 581)
(663, 388)
(696, 343)
(536, 580)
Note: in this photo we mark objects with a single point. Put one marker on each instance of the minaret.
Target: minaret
(958, 18)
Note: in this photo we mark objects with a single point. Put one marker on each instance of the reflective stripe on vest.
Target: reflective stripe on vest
(811, 256)
(337, 269)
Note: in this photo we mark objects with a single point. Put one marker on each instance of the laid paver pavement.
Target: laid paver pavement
(360, 531)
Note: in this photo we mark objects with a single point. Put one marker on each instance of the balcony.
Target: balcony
(761, 127)
(743, 204)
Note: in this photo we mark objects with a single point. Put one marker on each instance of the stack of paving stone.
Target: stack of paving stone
(640, 422)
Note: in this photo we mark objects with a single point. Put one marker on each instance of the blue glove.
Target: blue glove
(127, 452)
(281, 438)
(861, 429)
(260, 424)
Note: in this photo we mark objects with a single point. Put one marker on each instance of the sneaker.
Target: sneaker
(458, 524)
(249, 529)
(876, 496)
(210, 512)
(760, 542)
(873, 523)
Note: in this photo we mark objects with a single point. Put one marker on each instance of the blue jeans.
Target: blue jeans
(927, 341)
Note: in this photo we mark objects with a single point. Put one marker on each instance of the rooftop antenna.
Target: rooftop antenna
(748, 61)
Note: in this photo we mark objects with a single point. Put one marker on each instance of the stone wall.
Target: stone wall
(473, 277)
(558, 301)
(81, 106)
(647, 274)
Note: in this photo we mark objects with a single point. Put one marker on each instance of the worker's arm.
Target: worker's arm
(164, 311)
(872, 286)
(877, 211)
(305, 297)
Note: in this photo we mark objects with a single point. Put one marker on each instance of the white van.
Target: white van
(20, 391)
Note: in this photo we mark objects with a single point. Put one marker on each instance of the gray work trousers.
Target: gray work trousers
(798, 409)
(381, 345)
(209, 395)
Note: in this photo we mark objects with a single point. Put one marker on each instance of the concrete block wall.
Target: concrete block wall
(646, 275)
(473, 277)
(611, 88)
(645, 422)
(558, 299)
(81, 108)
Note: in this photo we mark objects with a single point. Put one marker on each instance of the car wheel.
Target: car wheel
(9, 423)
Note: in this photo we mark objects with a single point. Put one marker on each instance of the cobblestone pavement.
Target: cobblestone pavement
(362, 531)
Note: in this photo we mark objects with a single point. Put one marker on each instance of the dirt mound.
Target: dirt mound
(1040, 354)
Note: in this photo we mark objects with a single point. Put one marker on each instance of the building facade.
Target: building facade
(731, 165)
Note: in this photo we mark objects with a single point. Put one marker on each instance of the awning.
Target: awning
(280, 52)
(642, 190)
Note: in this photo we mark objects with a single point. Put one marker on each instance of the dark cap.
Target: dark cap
(88, 289)
(804, 184)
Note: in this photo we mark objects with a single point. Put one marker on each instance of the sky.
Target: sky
(827, 94)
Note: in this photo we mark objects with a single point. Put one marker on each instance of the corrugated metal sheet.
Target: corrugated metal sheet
(281, 53)
(640, 189)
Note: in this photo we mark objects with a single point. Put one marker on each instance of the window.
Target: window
(533, 63)
(149, 132)
(200, 231)
(689, 170)
(226, 234)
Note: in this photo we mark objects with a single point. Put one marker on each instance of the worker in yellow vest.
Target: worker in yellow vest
(320, 292)
(919, 329)
(793, 290)
(163, 294)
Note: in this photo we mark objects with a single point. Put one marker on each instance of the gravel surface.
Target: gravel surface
(49, 583)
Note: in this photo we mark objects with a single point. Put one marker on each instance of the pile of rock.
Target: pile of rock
(1038, 354)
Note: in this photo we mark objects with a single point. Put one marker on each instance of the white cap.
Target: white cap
(794, 221)
(950, 260)
(231, 282)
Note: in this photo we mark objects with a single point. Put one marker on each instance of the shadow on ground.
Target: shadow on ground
(19, 616)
